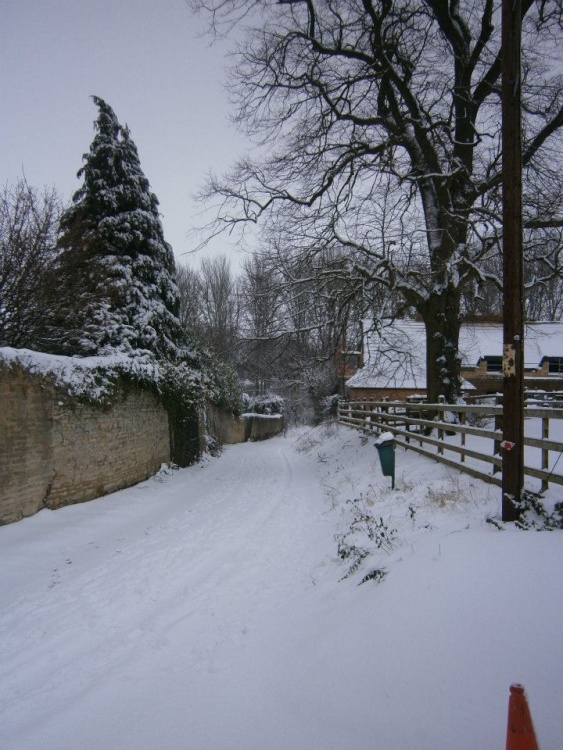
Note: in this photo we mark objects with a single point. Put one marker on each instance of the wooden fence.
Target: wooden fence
(473, 434)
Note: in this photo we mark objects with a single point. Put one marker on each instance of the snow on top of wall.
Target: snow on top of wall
(80, 376)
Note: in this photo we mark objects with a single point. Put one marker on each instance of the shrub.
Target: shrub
(269, 404)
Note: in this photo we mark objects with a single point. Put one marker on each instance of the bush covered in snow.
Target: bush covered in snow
(94, 379)
(268, 404)
(330, 406)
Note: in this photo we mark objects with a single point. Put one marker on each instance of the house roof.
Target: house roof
(395, 356)
(479, 340)
(392, 357)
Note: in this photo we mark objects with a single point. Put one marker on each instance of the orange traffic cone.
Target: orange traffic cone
(520, 734)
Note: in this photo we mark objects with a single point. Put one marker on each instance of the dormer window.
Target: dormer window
(555, 365)
(494, 364)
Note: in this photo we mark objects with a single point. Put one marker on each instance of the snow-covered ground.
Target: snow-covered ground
(208, 609)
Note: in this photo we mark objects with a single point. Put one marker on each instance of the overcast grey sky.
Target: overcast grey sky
(145, 58)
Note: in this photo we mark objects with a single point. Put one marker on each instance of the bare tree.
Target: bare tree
(381, 126)
(189, 283)
(219, 307)
(262, 340)
(307, 330)
(543, 280)
(260, 290)
(29, 221)
(544, 277)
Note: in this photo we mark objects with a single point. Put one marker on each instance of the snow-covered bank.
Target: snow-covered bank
(207, 610)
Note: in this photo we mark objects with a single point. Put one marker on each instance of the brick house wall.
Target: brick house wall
(378, 394)
(56, 452)
(492, 382)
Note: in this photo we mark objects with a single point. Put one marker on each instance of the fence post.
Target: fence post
(441, 433)
(545, 452)
(498, 426)
(462, 416)
(386, 414)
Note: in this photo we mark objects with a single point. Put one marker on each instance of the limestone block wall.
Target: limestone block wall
(264, 426)
(55, 452)
(224, 427)
(97, 451)
(228, 429)
(26, 453)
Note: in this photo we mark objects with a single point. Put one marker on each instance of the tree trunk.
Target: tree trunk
(442, 320)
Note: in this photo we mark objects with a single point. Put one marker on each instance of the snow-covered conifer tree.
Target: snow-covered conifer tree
(116, 270)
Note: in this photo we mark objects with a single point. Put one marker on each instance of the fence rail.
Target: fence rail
(465, 437)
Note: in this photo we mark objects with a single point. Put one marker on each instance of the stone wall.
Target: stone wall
(227, 429)
(224, 427)
(26, 453)
(54, 451)
(264, 426)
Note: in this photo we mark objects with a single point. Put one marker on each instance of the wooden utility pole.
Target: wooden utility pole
(513, 305)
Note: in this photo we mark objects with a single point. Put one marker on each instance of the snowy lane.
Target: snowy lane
(178, 582)
(207, 611)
